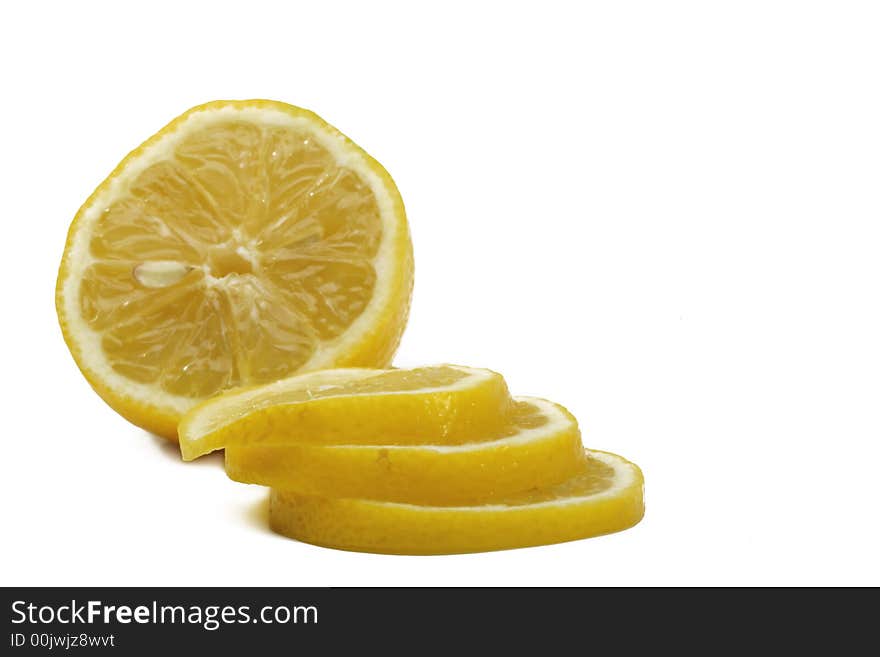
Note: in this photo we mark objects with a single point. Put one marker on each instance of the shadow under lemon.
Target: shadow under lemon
(255, 514)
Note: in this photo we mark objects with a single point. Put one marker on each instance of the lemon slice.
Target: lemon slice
(540, 445)
(245, 242)
(445, 404)
(604, 497)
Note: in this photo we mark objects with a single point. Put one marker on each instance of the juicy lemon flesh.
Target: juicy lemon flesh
(524, 415)
(231, 261)
(346, 382)
(334, 383)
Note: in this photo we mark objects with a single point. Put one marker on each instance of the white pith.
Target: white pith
(88, 342)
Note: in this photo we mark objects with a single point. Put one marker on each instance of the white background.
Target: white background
(663, 215)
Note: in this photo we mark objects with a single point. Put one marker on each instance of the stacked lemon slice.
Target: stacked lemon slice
(431, 460)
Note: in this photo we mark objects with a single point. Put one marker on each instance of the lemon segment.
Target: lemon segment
(445, 404)
(539, 446)
(605, 496)
(243, 243)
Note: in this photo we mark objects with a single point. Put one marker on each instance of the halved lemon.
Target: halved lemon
(244, 242)
(445, 404)
(605, 496)
(539, 445)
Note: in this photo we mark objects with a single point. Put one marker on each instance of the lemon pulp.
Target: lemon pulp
(244, 242)
(229, 263)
